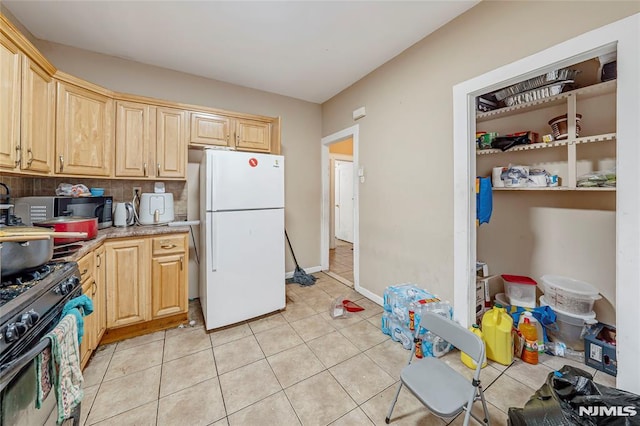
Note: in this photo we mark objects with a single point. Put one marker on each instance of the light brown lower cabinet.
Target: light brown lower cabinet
(93, 286)
(88, 339)
(146, 278)
(127, 264)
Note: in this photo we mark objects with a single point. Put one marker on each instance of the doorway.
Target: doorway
(339, 239)
(341, 251)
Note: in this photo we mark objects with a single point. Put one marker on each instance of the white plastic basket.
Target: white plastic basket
(568, 294)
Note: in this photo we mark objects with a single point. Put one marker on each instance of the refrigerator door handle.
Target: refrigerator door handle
(213, 261)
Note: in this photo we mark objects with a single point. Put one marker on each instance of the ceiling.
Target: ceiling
(309, 50)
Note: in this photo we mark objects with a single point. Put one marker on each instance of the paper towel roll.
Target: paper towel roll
(495, 177)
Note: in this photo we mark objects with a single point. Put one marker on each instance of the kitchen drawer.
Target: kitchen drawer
(85, 265)
(169, 244)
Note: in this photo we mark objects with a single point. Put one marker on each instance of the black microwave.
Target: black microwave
(37, 209)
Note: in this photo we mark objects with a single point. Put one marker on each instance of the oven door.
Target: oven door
(18, 395)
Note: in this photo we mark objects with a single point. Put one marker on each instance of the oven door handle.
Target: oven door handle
(12, 368)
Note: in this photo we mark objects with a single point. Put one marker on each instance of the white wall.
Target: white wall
(406, 203)
(301, 131)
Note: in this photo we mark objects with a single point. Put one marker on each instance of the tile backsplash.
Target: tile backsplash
(120, 190)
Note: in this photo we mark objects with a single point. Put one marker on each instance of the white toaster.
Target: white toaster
(156, 209)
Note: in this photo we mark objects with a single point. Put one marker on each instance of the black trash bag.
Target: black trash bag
(506, 142)
(558, 403)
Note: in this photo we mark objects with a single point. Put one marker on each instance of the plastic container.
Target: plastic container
(569, 295)
(569, 327)
(466, 359)
(520, 291)
(97, 192)
(501, 299)
(559, 126)
(496, 330)
(530, 334)
(538, 327)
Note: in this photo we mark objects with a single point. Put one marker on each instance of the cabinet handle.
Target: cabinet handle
(30, 160)
(61, 158)
(18, 155)
(158, 174)
(237, 139)
(85, 271)
(144, 167)
(227, 139)
(99, 260)
(168, 246)
(181, 260)
(95, 287)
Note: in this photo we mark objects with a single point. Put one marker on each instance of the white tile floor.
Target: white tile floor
(295, 367)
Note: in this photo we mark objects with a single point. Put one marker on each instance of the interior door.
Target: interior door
(344, 200)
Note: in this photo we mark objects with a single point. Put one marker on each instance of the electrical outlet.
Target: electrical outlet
(137, 190)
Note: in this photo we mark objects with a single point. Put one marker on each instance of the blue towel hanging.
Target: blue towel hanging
(484, 200)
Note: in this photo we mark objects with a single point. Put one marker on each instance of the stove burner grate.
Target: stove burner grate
(15, 285)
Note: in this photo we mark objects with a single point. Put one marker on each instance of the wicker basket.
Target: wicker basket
(559, 126)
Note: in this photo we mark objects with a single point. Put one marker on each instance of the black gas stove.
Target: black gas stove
(31, 304)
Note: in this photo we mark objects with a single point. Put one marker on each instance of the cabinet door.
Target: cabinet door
(253, 135)
(88, 339)
(168, 282)
(83, 132)
(127, 264)
(10, 64)
(38, 118)
(99, 302)
(135, 130)
(171, 143)
(208, 129)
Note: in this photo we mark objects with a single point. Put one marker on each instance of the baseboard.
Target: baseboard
(369, 295)
(307, 270)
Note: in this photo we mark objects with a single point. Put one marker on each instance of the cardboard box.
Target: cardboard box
(491, 286)
(480, 311)
(480, 292)
(482, 269)
(600, 349)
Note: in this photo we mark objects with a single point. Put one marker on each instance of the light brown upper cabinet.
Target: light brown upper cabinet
(209, 129)
(135, 139)
(253, 135)
(38, 118)
(151, 141)
(241, 133)
(27, 99)
(10, 95)
(84, 131)
(171, 143)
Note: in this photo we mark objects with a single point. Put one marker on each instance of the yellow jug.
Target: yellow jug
(496, 330)
(466, 359)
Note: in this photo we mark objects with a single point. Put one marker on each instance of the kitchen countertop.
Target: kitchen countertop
(129, 231)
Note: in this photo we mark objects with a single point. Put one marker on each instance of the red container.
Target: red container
(72, 224)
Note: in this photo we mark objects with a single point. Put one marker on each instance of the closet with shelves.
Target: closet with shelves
(587, 234)
(566, 229)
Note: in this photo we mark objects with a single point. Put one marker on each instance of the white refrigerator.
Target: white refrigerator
(242, 271)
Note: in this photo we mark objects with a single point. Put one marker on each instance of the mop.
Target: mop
(299, 275)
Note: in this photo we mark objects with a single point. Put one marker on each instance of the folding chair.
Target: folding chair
(443, 390)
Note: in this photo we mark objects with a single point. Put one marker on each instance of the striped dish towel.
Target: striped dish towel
(65, 366)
